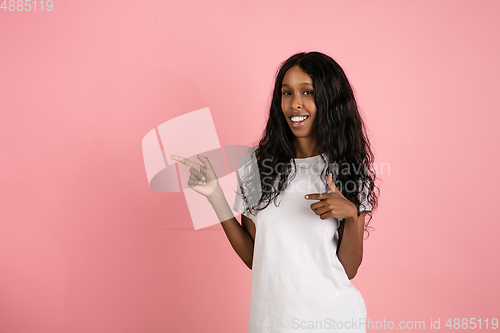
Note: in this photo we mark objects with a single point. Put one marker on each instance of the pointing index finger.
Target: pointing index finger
(185, 161)
(314, 196)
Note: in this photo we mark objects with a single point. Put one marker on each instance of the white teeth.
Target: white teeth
(297, 119)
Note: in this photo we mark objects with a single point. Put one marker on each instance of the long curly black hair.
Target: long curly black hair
(340, 135)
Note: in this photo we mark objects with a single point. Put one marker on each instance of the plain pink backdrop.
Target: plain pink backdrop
(84, 245)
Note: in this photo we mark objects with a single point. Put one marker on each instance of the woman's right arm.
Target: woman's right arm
(241, 236)
(204, 181)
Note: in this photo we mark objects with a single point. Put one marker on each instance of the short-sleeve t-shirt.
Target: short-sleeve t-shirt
(298, 283)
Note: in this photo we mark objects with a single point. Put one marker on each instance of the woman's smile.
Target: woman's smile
(298, 121)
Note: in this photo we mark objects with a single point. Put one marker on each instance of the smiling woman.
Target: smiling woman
(304, 249)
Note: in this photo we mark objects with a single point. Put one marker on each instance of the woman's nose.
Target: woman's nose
(296, 102)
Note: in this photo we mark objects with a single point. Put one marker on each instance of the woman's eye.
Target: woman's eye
(308, 92)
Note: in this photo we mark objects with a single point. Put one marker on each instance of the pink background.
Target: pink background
(84, 244)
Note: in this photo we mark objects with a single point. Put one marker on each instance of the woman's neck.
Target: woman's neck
(305, 147)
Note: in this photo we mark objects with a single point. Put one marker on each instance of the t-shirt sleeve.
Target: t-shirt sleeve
(239, 205)
(364, 199)
(246, 177)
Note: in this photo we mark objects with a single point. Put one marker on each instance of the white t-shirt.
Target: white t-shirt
(298, 283)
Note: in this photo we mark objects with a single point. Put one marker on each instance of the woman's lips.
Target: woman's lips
(298, 124)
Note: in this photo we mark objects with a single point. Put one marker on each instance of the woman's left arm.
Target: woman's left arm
(334, 204)
(350, 252)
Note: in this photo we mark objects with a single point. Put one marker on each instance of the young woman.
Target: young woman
(304, 192)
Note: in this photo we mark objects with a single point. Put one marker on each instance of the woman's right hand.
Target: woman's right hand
(203, 178)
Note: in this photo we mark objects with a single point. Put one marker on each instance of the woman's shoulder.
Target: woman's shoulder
(248, 156)
(249, 177)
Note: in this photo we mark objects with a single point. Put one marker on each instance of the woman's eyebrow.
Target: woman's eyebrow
(302, 84)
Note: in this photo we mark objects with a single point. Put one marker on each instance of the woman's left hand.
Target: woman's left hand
(332, 204)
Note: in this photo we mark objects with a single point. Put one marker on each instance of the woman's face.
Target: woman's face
(297, 101)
